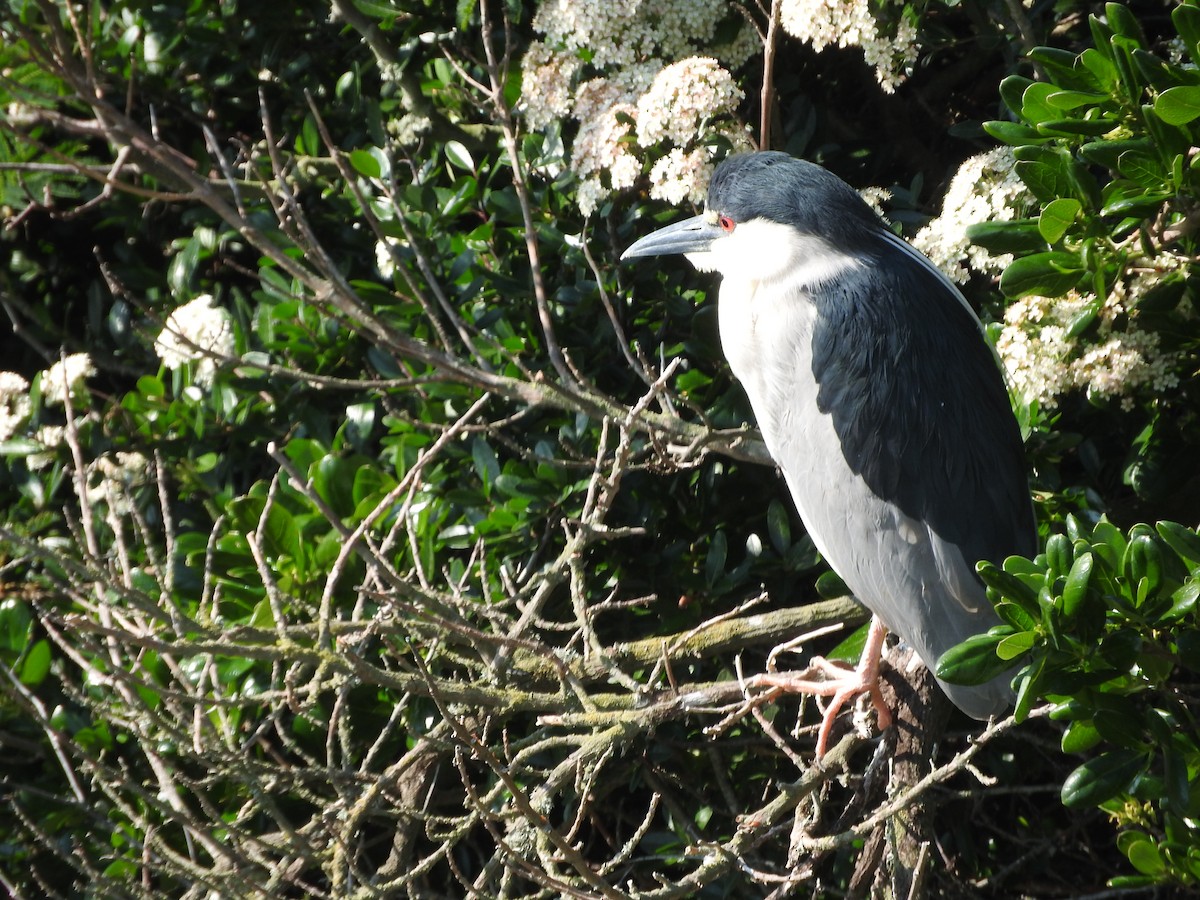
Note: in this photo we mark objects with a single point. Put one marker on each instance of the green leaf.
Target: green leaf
(1074, 99)
(1049, 274)
(1178, 105)
(714, 563)
(459, 155)
(850, 649)
(1015, 615)
(36, 665)
(1075, 590)
(1059, 554)
(1141, 851)
(1064, 68)
(466, 8)
(366, 162)
(1080, 736)
(1107, 153)
(1057, 216)
(1102, 778)
(1144, 564)
(486, 464)
(1035, 105)
(1008, 586)
(1044, 172)
(779, 526)
(1139, 203)
(333, 480)
(974, 661)
(1100, 65)
(310, 138)
(1018, 236)
(1015, 133)
(1123, 22)
(830, 586)
(1183, 601)
(15, 626)
(1012, 90)
(1086, 127)
(1187, 22)
(1142, 168)
(1015, 645)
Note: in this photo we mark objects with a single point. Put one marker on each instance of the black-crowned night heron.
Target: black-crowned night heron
(878, 397)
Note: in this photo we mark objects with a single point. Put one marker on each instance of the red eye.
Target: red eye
(727, 224)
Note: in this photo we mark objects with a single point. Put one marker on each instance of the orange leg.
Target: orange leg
(837, 682)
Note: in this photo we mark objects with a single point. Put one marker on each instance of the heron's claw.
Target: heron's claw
(837, 681)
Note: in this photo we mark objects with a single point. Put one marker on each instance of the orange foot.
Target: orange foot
(838, 681)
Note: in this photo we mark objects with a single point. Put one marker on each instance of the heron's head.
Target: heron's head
(769, 215)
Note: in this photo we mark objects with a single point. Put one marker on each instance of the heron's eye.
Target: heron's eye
(727, 224)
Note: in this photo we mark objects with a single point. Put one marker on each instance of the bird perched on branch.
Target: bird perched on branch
(879, 398)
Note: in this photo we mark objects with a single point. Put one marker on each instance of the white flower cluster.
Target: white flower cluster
(1044, 361)
(197, 331)
(15, 405)
(986, 188)
(681, 100)
(64, 380)
(628, 72)
(850, 23)
(112, 479)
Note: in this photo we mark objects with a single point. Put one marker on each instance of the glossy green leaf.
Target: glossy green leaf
(458, 155)
(1075, 590)
(1059, 554)
(1058, 216)
(1186, 18)
(36, 664)
(779, 526)
(1100, 66)
(974, 661)
(1139, 203)
(850, 649)
(1123, 22)
(1183, 601)
(1049, 274)
(333, 480)
(1085, 127)
(1144, 563)
(1141, 852)
(1178, 105)
(1015, 133)
(1035, 105)
(1015, 645)
(1015, 615)
(1045, 174)
(1063, 68)
(1008, 586)
(1019, 236)
(1012, 90)
(714, 563)
(16, 624)
(1184, 541)
(1074, 99)
(1108, 153)
(830, 586)
(1102, 778)
(1142, 168)
(487, 467)
(366, 163)
(1080, 736)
